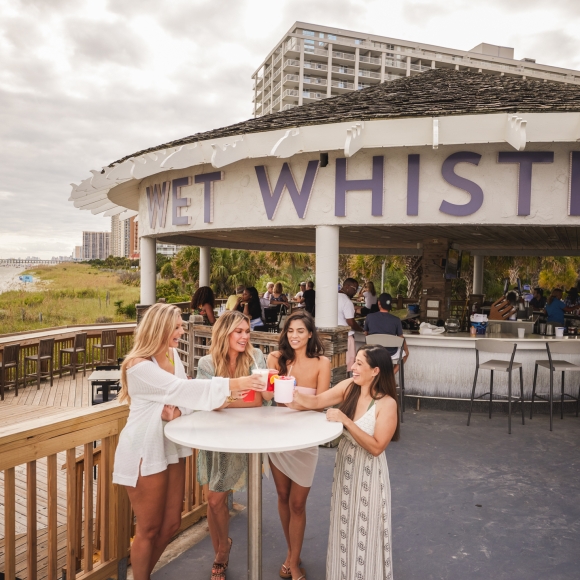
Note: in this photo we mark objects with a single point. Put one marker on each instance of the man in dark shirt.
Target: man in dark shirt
(538, 301)
(383, 322)
(308, 297)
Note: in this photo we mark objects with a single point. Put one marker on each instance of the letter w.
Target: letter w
(157, 198)
(286, 180)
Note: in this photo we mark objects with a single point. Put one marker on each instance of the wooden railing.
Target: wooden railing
(70, 522)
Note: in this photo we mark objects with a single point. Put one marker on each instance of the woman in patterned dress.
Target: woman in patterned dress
(230, 355)
(359, 543)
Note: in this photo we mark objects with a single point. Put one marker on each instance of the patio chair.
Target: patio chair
(44, 355)
(9, 361)
(563, 347)
(398, 342)
(272, 318)
(498, 346)
(79, 346)
(108, 343)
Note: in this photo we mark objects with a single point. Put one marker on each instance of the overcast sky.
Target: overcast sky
(85, 82)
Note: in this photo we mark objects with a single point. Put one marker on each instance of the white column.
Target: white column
(329, 72)
(327, 238)
(478, 274)
(204, 265)
(383, 61)
(148, 270)
(356, 66)
(408, 66)
(301, 73)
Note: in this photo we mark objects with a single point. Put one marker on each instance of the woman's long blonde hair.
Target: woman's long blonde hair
(220, 346)
(151, 335)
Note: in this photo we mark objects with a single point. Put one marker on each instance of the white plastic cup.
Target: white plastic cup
(521, 332)
(263, 374)
(559, 332)
(284, 390)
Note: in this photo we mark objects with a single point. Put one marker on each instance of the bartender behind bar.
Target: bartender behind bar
(556, 308)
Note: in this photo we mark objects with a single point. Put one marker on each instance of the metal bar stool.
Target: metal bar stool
(563, 347)
(9, 361)
(398, 342)
(44, 354)
(498, 346)
(80, 346)
(108, 342)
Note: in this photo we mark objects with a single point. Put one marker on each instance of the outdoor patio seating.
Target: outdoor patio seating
(108, 343)
(80, 346)
(564, 347)
(9, 361)
(504, 366)
(106, 385)
(43, 356)
(273, 317)
(398, 342)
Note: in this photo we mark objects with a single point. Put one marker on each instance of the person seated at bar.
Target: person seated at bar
(278, 297)
(300, 295)
(346, 317)
(249, 304)
(233, 300)
(512, 298)
(383, 322)
(555, 308)
(309, 297)
(203, 302)
(538, 301)
(369, 295)
(269, 291)
(572, 299)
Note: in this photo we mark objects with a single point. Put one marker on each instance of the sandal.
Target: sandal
(218, 569)
(285, 571)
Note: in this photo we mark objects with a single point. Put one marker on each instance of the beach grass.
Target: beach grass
(65, 294)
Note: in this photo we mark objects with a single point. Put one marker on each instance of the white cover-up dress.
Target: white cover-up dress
(359, 542)
(142, 440)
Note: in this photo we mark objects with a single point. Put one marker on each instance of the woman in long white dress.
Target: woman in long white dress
(153, 382)
(300, 354)
(359, 542)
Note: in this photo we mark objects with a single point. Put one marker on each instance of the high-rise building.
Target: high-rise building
(314, 62)
(78, 253)
(168, 250)
(122, 232)
(116, 236)
(96, 245)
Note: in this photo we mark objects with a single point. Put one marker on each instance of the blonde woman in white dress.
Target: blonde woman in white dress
(359, 542)
(300, 354)
(152, 468)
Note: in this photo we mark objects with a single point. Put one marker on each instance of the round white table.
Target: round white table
(254, 431)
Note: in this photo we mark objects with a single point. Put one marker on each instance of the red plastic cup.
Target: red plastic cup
(249, 397)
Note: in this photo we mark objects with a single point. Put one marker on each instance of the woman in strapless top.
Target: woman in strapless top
(300, 355)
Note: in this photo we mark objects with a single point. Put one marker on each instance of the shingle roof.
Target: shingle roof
(437, 92)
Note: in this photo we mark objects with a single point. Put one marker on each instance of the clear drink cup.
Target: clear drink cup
(263, 374)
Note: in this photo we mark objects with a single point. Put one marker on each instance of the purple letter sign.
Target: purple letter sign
(300, 198)
(157, 197)
(449, 175)
(178, 201)
(207, 179)
(413, 184)
(375, 184)
(526, 159)
(574, 198)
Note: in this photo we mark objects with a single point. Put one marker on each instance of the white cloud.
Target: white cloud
(85, 82)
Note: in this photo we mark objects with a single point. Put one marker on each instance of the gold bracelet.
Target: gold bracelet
(230, 399)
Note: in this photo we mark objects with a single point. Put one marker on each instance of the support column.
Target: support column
(478, 274)
(204, 265)
(327, 243)
(436, 292)
(148, 270)
(301, 73)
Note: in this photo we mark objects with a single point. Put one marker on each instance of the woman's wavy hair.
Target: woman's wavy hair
(203, 295)
(370, 285)
(220, 345)
(383, 384)
(151, 335)
(314, 348)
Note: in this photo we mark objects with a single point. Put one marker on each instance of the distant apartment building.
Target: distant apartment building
(124, 237)
(78, 253)
(168, 250)
(314, 62)
(96, 245)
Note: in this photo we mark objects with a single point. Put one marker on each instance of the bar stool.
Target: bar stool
(9, 361)
(79, 346)
(398, 342)
(45, 353)
(498, 346)
(563, 347)
(108, 342)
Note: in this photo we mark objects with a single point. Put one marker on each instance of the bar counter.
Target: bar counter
(443, 365)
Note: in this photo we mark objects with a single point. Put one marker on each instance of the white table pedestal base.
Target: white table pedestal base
(255, 516)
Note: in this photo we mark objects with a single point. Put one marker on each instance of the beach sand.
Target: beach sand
(9, 279)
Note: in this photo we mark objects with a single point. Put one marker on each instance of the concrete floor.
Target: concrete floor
(467, 503)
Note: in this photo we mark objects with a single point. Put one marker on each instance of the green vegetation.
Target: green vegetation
(68, 294)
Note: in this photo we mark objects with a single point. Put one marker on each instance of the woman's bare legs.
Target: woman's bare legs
(156, 501)
(292, 509)
(218, 521)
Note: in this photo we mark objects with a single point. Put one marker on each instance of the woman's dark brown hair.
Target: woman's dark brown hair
(203, 295)
(314, 348)
(383, 384)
